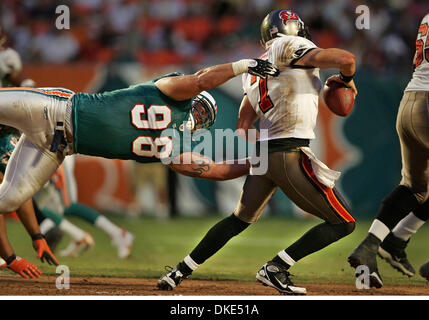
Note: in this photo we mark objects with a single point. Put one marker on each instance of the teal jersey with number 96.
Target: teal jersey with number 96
(127, 123)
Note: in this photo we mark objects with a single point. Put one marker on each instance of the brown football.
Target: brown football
(339, 98)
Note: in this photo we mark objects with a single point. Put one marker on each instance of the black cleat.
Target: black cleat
(392, 249)
(171, 279)
(424, 270)
(276, 276)
(366, 255)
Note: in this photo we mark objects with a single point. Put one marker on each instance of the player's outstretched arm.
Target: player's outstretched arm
(28, 218)
(198, 166)
(246, 119)
(188, 86)
(17, 264)
(343, 60)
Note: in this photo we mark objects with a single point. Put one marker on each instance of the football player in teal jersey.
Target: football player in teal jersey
(122, 124)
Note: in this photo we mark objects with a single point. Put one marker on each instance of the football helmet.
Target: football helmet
(203, 111)
(281, 23)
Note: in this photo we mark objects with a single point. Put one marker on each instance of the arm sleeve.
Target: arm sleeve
(288, 49)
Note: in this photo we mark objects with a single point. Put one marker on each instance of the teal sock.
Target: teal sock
(53, 216)
(82, 211)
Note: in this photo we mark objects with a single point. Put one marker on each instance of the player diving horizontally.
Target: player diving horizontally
(412, 193)
(123, 124)
(11, 74)
(287, 106)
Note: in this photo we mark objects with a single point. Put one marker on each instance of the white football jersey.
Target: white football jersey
(288, 104)
(420, 79)
(9, 62)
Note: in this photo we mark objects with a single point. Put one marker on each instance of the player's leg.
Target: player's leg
(80, 239)
(296, 177)
(121, 238)
(413, 131)
(28, 169)
(257, 190)
(392, 249)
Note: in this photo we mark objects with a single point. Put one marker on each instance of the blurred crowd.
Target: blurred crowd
(204, 31)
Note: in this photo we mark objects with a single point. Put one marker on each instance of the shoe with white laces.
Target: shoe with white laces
(172, 278)
(276, 276)
(75, 248)
(123, 242)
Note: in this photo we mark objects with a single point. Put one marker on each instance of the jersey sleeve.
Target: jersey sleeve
(9, 62)
(287, 50)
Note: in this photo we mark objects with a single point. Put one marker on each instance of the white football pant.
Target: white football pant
(35, 112)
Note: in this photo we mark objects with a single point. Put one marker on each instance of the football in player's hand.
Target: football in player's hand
(338, 98)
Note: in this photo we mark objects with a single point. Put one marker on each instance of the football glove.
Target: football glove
(24, 268)
(262, 68)
(42, 249)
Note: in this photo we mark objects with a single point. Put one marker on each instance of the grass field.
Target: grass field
(164, 242)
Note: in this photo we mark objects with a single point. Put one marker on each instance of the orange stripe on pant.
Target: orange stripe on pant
(52, 93)
(328, 192)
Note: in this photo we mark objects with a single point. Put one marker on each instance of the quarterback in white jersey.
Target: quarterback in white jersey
(287, 107)
(406, 208)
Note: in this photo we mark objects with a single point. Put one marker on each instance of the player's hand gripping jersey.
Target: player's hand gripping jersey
(131, 130)
(287, 104)
(420, 80)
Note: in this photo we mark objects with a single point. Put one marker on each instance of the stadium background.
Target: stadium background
(113, 44)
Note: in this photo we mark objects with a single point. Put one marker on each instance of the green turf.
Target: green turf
(164, 242)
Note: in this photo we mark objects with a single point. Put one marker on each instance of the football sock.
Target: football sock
(107, 226)
(82, 211)
(187, 265)
(71, 230)
(217, 237)
(52, 216)
(46, 225)
(396, 206)
(314, 240)
(379, 229)
(407, 227)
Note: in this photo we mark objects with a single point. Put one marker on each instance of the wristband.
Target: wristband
(346, 79)
(241, 66)
(10, 259)
(37, 237)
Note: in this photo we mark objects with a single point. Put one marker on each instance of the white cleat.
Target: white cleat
(123, 243)
(2, 263)
(75, 248)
